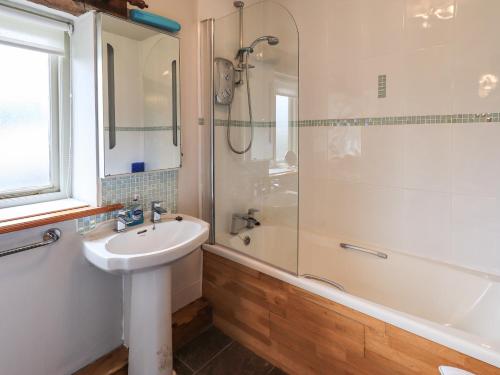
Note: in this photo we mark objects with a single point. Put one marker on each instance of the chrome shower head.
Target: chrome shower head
(271, 40)
(238, 4)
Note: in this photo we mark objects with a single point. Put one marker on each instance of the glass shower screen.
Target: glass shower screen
(255, 99)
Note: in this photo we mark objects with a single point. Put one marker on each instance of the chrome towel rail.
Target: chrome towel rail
(324, 280)
(49, 237)
(363, 250)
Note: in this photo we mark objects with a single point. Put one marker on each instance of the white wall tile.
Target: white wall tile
(427, 157)
(476, 156)
(477, 61)
(476, 74)
(429, 190)
(382, 25)
(477, 21)
(344, 153)
(427, 224)
(382, 155)
(428, 81)
(429, 23)
(476, 232)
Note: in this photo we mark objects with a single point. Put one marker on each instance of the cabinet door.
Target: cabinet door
(138, 97)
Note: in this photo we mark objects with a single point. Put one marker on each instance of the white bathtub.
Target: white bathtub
(276, 245)
(454, 307)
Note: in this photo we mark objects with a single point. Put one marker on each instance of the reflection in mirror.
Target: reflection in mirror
(140, 98)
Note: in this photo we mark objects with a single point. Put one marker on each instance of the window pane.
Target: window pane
(282, 111)
(24, 119)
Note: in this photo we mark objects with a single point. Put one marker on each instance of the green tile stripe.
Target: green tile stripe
(244, 124)
(141, 128)
(463, 118)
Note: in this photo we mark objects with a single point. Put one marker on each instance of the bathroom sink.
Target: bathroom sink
(143, 254)
(146, 245)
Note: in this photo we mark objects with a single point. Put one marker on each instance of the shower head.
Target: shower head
(239, 4)
(271, 40)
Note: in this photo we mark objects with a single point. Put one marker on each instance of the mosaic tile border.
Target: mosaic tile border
(382, 86)
(89, 223)
(240, 124)
(461, 118)
(141, 129)
(148, 186)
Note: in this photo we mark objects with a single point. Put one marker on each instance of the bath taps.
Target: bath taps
(156, 211)
(244, 221)
(122, 221)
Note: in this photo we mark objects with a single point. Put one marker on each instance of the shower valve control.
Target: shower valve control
(224, 81)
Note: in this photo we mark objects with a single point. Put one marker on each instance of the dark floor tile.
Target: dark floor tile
(237, 359)
(123, 371)
(277, 371)
(203, 348)
(180, 368)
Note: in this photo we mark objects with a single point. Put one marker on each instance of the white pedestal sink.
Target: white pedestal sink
(146, 252)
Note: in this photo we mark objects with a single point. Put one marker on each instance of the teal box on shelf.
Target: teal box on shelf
(154, 20)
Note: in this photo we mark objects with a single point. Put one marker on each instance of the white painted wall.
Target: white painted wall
(57, 311)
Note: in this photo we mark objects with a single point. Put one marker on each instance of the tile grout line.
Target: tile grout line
(187, 343)
(185, 364)
(215, 356)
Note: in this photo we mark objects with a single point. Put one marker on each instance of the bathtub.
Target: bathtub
(273, 244)
(454, 307)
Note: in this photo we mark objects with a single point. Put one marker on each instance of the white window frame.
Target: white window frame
(286, 85)
(60, 114)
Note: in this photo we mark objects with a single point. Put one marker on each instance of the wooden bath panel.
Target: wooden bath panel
(303, 333)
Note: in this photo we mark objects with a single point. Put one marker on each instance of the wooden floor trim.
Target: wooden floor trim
(110, 364)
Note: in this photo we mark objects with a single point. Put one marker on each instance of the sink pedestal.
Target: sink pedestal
(144, 255)
(150, 342)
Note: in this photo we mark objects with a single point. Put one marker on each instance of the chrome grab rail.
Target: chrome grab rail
(363, 250)
(324, 280)
(49, 237)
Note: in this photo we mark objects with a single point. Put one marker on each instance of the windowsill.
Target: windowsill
(34, 215)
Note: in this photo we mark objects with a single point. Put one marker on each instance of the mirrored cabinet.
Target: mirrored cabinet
(138, 97)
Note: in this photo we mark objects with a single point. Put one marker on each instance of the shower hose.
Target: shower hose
(228, 131)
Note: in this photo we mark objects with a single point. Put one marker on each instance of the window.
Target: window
(286, 90)
(34, 108)
(282, 126)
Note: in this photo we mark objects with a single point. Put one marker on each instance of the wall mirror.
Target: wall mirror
(139, 99)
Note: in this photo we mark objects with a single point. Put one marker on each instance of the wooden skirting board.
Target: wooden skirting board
(188, 322)
(303, 333)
